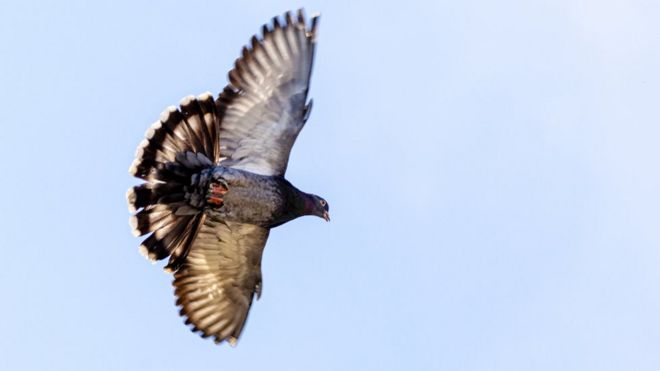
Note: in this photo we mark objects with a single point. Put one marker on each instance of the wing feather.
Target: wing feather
(219, 278)
(265, 103)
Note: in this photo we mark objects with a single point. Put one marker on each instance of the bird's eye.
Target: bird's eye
(323, 203)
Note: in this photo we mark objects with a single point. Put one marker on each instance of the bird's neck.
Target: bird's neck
(301, 203)
(308, 204)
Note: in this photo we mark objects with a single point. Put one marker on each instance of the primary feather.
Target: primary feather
(265, 103)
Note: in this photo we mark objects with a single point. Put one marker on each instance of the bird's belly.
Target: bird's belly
(248, 205)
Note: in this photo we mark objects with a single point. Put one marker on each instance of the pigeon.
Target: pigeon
(213, 178)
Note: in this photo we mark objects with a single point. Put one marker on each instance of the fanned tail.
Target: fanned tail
(168, 205)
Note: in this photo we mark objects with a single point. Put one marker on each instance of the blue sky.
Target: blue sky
(491, 168)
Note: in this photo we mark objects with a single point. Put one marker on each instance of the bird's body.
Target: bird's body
(246, 197)
(252, 198)
(214, 184)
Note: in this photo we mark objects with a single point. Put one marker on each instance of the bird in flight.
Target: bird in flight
(213, 172)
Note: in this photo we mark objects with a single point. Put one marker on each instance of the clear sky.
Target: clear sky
(492, 171)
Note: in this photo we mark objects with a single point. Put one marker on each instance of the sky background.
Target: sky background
(492, 171)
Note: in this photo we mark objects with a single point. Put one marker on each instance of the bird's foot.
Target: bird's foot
(216, 193)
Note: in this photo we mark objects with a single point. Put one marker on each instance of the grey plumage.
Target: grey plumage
(214, 178)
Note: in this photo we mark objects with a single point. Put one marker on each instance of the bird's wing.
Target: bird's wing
(217, 282)
(264, 107)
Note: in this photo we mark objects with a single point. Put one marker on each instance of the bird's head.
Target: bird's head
(318, 206)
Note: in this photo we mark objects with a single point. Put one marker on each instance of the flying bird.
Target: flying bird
(214, 185)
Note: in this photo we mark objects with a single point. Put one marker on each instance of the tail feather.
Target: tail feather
(171, 239)
(191, 128)
(159, 244)
(150, 219)
(147, 194)
(176, 148)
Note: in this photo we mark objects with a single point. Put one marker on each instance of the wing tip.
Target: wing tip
(316, 17)
(289, 20)
(218, 337)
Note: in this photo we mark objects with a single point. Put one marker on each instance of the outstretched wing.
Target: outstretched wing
(264, 106)
(216, 284)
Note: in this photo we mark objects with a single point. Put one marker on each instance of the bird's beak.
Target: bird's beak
(326, 216)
